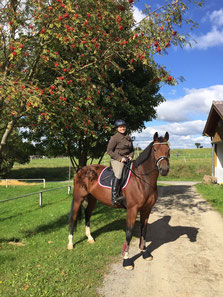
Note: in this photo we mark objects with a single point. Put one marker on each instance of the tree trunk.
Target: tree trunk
(6, 134)
(83, 153)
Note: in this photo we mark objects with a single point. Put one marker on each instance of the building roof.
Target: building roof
(215, 118)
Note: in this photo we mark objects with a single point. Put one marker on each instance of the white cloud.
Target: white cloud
(195, 102)
(211, 39)
(182, 135)
(215, 36)
(138, 14)
(216, 17)
(184, 132)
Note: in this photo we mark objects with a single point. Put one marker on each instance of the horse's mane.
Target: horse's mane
(145, 154)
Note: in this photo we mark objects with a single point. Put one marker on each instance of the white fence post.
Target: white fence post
(44, 183)
(40, 198)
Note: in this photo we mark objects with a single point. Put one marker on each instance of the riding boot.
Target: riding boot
(116, 198)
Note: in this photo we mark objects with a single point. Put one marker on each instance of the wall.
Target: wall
(219, 165)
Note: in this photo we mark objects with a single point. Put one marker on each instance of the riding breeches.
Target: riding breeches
(117, 168)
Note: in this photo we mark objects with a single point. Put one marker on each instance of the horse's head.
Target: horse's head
(161, 152)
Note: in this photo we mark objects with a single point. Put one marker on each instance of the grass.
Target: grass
(185, 164)
(189, 164)
(213, 194)
(43, 266)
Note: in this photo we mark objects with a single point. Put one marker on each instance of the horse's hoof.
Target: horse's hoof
(129, 268)
(91, 241)
(128, 264)
(150, 258)
(70, 247)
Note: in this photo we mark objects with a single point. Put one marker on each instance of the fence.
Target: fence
(40, 194)
(35, 179)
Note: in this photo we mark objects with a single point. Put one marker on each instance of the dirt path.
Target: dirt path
(185, 237)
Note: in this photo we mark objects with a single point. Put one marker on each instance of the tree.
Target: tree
(197, 145)
(140, 97)
(79, 43)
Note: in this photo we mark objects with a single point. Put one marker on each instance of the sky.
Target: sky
(187, 105)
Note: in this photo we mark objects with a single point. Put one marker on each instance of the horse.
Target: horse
(140, 193)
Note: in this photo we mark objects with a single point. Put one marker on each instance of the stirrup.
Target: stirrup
(120, 200)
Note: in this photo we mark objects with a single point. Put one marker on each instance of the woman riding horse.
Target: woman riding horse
(120, 149)
(141, 193)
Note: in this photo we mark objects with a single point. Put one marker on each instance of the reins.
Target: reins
(156, 163)
(139, 177)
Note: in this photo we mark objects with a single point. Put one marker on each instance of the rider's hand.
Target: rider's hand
(130, 158)
(123, 160)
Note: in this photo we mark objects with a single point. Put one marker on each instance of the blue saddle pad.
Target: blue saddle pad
(105, 178)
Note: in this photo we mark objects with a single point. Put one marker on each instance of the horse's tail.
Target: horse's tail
(73, 224)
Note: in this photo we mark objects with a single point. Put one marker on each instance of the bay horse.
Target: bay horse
(141, 194)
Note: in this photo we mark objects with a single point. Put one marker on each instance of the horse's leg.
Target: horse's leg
(75, 211)
(144, 216)
(131, 218)
(88, 211)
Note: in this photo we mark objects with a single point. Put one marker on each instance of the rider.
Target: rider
(120, 149)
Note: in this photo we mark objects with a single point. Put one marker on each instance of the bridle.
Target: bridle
(157, 161)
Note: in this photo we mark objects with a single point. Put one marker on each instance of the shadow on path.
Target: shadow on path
(160, 233)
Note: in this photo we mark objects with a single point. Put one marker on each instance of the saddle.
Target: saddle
(106, 176)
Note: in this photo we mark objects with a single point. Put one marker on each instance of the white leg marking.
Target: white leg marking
(126, 255)
(88, 234)
(70, 242)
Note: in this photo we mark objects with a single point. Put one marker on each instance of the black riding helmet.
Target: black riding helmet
(120, 123)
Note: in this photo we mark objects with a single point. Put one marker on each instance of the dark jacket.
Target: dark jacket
(119, 146)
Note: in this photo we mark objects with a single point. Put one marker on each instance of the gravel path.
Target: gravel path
(185, 237)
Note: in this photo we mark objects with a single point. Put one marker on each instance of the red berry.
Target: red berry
(156, 43)
(118, 19)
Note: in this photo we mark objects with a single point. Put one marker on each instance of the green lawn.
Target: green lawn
(213, 194)
(43, 266)
(185, 164)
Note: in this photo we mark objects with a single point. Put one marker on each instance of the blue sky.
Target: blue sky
(187, 105)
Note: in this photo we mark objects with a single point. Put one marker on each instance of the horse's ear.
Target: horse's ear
(166, 137)
(155, 137)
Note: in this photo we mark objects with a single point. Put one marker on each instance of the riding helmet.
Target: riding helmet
(120, 123)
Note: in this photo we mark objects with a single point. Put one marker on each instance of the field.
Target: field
(213, 194)
(34, 259)
(185, 164)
